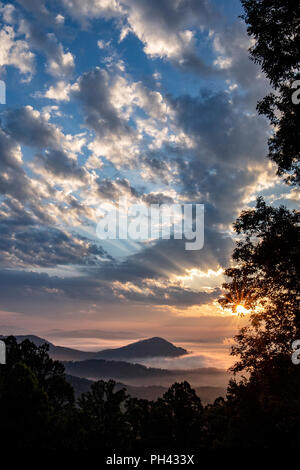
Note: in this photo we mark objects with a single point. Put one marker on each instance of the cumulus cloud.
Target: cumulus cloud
(166, 28)
(59, 92)
(31, 127)
(94, 92)
(60, 164)
(13, 179)
(60, 63)
(93, 9)
(8, 13)
(38, 8)
(15, 52)
(113, 190)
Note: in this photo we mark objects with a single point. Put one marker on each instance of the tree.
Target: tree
(263, 409)
(274, 25)
(36, 402)
(49, 373)
(24, 409)
(265, 280)
(104, 421)
(179, 414)
(185, 410)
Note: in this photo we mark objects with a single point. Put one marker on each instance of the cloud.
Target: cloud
(92, 9)
(165, 27)
(113, 190)
(13, 179)
(228, 155)
(8, 13)
(31, 246)
(15, 52)
(100, 334)
(28, 126)
(94, 93)
(231, 45)
(60, 164)
(60, 63)
(113, 106)
(39, 10)
(59, 92)
(157, 198)
(32, 128)
(115, 138)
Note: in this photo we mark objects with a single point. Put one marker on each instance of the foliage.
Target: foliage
(274, 26)
(256, 413)
(266, 279)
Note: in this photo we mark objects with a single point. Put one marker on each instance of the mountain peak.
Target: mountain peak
(151, 347)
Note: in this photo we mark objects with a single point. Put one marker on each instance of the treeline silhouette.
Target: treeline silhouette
(38, 411)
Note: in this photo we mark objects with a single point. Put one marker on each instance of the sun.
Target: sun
(241, 309)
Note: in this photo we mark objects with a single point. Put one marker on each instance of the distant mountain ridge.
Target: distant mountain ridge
(103, 369)
(138, 374)
(59, 353)
(90, 365)
(207, 394)
(152, 347)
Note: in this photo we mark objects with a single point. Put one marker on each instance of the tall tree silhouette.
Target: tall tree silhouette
(274, 24)
(104, 418)
(263, 407)
(36, 401)
(266, 280)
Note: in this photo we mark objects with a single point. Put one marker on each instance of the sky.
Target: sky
(151, 101)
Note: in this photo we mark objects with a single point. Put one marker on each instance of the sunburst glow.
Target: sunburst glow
(240, 309)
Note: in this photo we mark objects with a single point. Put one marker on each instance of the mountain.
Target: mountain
(151, 392)
(140, 375)
(58, 353)
(152, 347)
(89, 365)
(103, 369)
